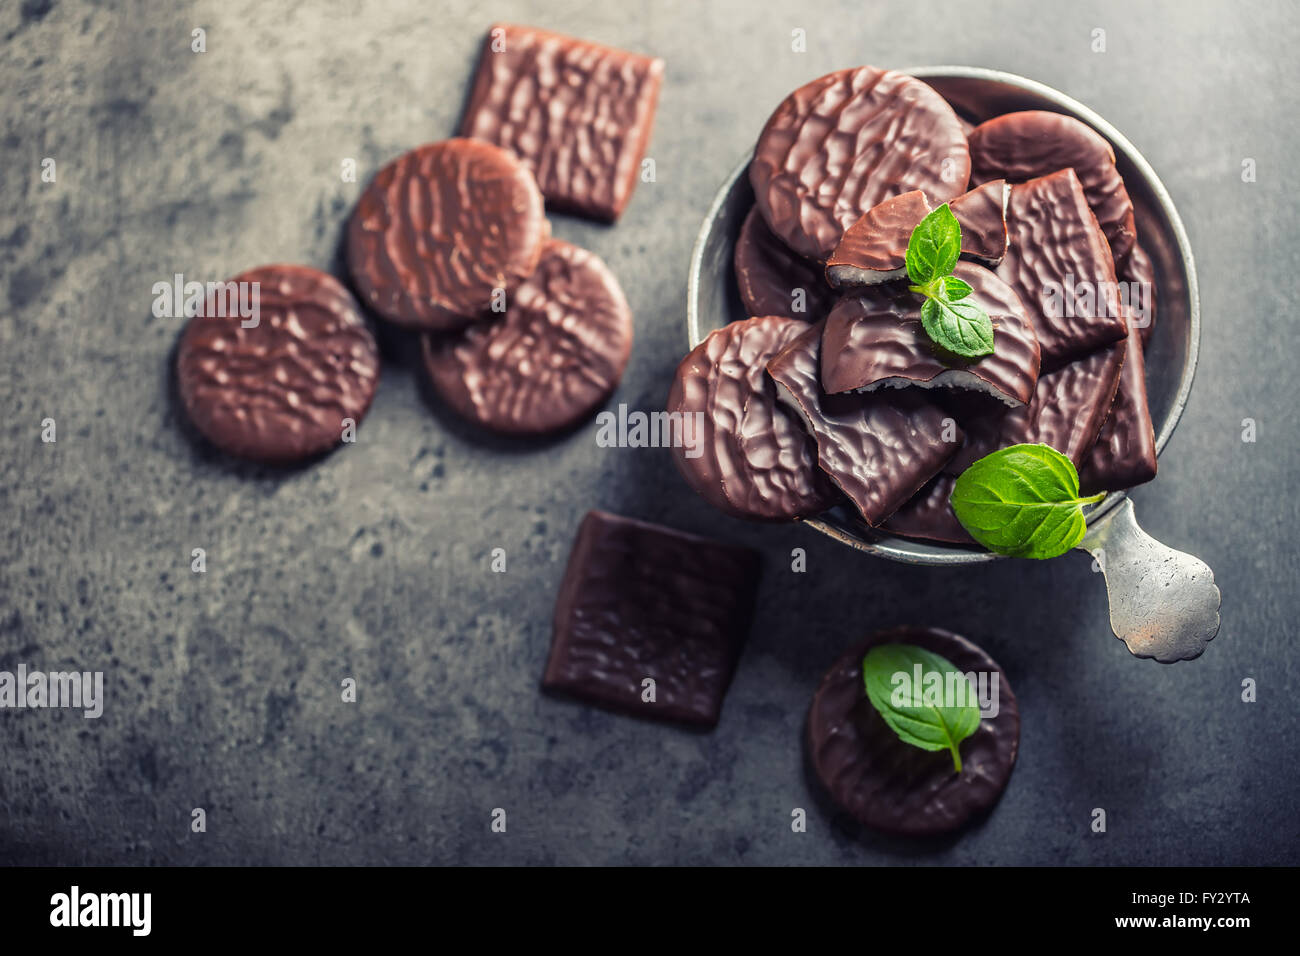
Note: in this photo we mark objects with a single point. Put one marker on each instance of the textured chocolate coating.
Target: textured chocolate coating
(440, 228)
(1138, 267)
(874, 249)
(281, 390)
(550, 360)
(839, 145)
(1060, 265)
(768, 275)
(754, 458)
(1125, 451)
(1067, 412)
(879, 449)
(927, 514)
(892, 786)
(576, 113)
(982, 214)
(1023, 146)
(875, 339)
(639, 600)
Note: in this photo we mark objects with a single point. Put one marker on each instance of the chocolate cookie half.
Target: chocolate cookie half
(982, 214)
(874, 249)
(892, 786)
(281, 385)
(876, 340)
(550, 360)
(878, 448)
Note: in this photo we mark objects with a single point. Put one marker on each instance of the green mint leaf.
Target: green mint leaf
(963, 328)
(954, 288)
(937, 713)
(933, 249)
(960, 328)
(1022, 501)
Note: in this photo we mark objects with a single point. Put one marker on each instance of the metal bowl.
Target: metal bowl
(978, 94)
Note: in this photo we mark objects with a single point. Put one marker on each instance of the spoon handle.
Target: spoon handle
(1163, 603)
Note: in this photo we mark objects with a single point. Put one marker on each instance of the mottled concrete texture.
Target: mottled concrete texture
(223, 688)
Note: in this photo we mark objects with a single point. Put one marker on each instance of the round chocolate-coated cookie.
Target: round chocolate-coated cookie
(555, 354)
(750, 457)
(284, 388)
(893, 786)
(1021, 146)
(440, 229)
(839, 145)
(770, 276)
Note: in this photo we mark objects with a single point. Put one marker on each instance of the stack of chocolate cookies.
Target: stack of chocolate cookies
(521, 333)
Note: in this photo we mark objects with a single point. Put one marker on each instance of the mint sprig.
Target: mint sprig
(920, 715)
(962, 328)
(1022, 501)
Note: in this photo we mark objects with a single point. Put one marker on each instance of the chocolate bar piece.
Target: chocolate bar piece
(1125, 452)
(771, 277)
(1059, 263)
(874, 249)
(642, 601)
(576, 113)
(875, 339)
(890, 785)
(879, 448)
(1067, 411)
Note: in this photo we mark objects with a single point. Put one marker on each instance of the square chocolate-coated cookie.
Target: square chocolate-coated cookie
(1060, 265)
(578, 114)
(642, 601)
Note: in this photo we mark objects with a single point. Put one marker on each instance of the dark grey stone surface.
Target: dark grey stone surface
(223, 688)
